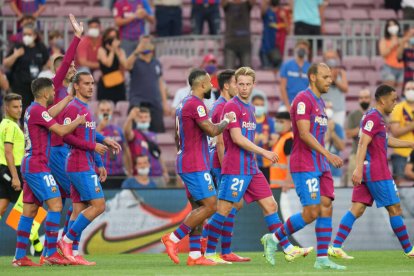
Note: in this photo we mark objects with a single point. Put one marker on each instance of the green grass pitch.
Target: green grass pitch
(379, 263)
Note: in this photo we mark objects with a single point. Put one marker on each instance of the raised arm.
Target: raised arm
(128, 131)
(57, 108)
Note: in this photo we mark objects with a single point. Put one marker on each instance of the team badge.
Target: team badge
(67, 121)
(369, 125)
(46, 116)
(97, 190)
(201, 111)
(54, 189)
(313, 195)
(210, 188)
(301, 109)
(235, 117)
(234, 194)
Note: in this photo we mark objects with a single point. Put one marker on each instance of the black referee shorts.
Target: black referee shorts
(6, 190)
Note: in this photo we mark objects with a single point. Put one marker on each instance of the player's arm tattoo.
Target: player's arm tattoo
(211, 129)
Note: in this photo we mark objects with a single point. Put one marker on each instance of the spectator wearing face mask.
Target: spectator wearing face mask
(56, 43)
(293, 74)
(280, 176)
(405, 53)
(338, 89)
(142, 179)
(265, 131)
(115, 164)
(112, 59)
(33, 7)
(352, 128)
(141, 141)
(392, 72)
(334, 142)
(87, 52)
(25, 61)
(402, 127)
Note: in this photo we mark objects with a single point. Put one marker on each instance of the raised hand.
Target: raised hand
(140, 12)
(77, 27)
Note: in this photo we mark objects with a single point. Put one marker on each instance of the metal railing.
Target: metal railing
(372, 28)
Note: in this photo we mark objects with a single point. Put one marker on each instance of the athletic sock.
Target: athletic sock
(345, 227)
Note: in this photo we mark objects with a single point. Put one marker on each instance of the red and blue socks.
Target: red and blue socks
(77, 227)
(345, 228)
(292, 225)
(273, 223)
(67, 219)
(179, 233)
(227, 232)
(195, 246)
(323, 230)
(398, 226)
(214, 232)
(52, 231)
(23, 234)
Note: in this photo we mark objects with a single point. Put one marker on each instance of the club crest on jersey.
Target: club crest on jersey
(249, 125)
(97, 190)
(234, 194)
(67, 121)
(201, 111)
(46, 116)
(54, 189)
(301, 109)
(210, 188)
(369, 125)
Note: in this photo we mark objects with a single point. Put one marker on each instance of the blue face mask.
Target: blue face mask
(143, 126)
(260, 111)
(102, 116)
(146, 52)
(211, 68)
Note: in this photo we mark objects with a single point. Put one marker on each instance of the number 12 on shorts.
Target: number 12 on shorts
(313, 185)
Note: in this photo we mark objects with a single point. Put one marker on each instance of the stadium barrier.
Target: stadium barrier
(134, 222)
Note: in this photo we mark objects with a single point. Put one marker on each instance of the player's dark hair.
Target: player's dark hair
(94, 20)
(313, 69)
(225, 77)
(144, 110)
(257, 96)
(142, 155)
(195, 74)
(387, 34)
(77, 76)
(383, 90)
(39, 84)
(12, 97)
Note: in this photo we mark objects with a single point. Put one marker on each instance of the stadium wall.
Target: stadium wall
(134, 222)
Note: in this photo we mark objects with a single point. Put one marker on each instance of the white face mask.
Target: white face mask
(409, 95)
(93, 32)
(393, 30)
(329, 113)
(279, 128)
(28, 40)
(143, 171)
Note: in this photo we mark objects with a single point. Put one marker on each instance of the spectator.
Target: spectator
(338, 89)
(308, 16)
(334, 142)
(280, 176)
(141, 179)
(293, 74)
(392, 71)
(409, 168)
(130, 17)
(25, 7)
(237, 44)
(210, 65)
(275, 24)
(143, 141)
(405, 53)
(147, 86)
(56, 43)
(265, 131)
(115, 164)
(25, 61)
(402, 127)
(25, 20)
(206, 11)
(111, 58)
(408, 9)
(168, 15)
(352, 129)
(87, 52)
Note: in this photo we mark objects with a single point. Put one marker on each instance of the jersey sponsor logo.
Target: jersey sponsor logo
(249, 125)
(321, 121)
(46, 116)
(301, 109)
(201, 111)
(91, 125)
(369, 125)
(67, 121)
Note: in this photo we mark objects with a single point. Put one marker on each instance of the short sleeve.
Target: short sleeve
(302, 108)
(287, 149)
(233, 108)
(370, 126)
(198, 111)
(43, 118)
(147, 7)
(283, 70)
(339, 131)
(396, 114)
(8, 134)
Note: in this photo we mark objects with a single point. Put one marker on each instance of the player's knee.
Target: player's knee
(311, 213)
(238, 205)
(394, 210)
(100, 208)
(270, 208)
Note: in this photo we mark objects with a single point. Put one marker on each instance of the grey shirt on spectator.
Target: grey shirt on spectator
(336, 97)
(354, 120)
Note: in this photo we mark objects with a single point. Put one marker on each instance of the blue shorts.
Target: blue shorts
(57, 160)
(216, 173)
(43, 185)
(232, 187)
(384, 192)
(87, 184)
(200, 185)
(309, 185)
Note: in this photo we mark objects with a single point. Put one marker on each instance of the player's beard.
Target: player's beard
(207, 95)
(50, 100)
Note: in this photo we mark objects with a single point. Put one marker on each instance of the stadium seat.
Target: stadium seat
(355, 14)
(186, 12)
(165, 138)
(122, 108)
(362, 4)
(63, 11)
(357, 78)
(374, 77)
(377, 62)
(93, 106)
(332, 15)
(169, 123)
(175, 76)
(265, 77)
(357, 62)
(7, 11)
(332, 28)
(382, 14)
(338, 4)
(96, 12)
(271, 90)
